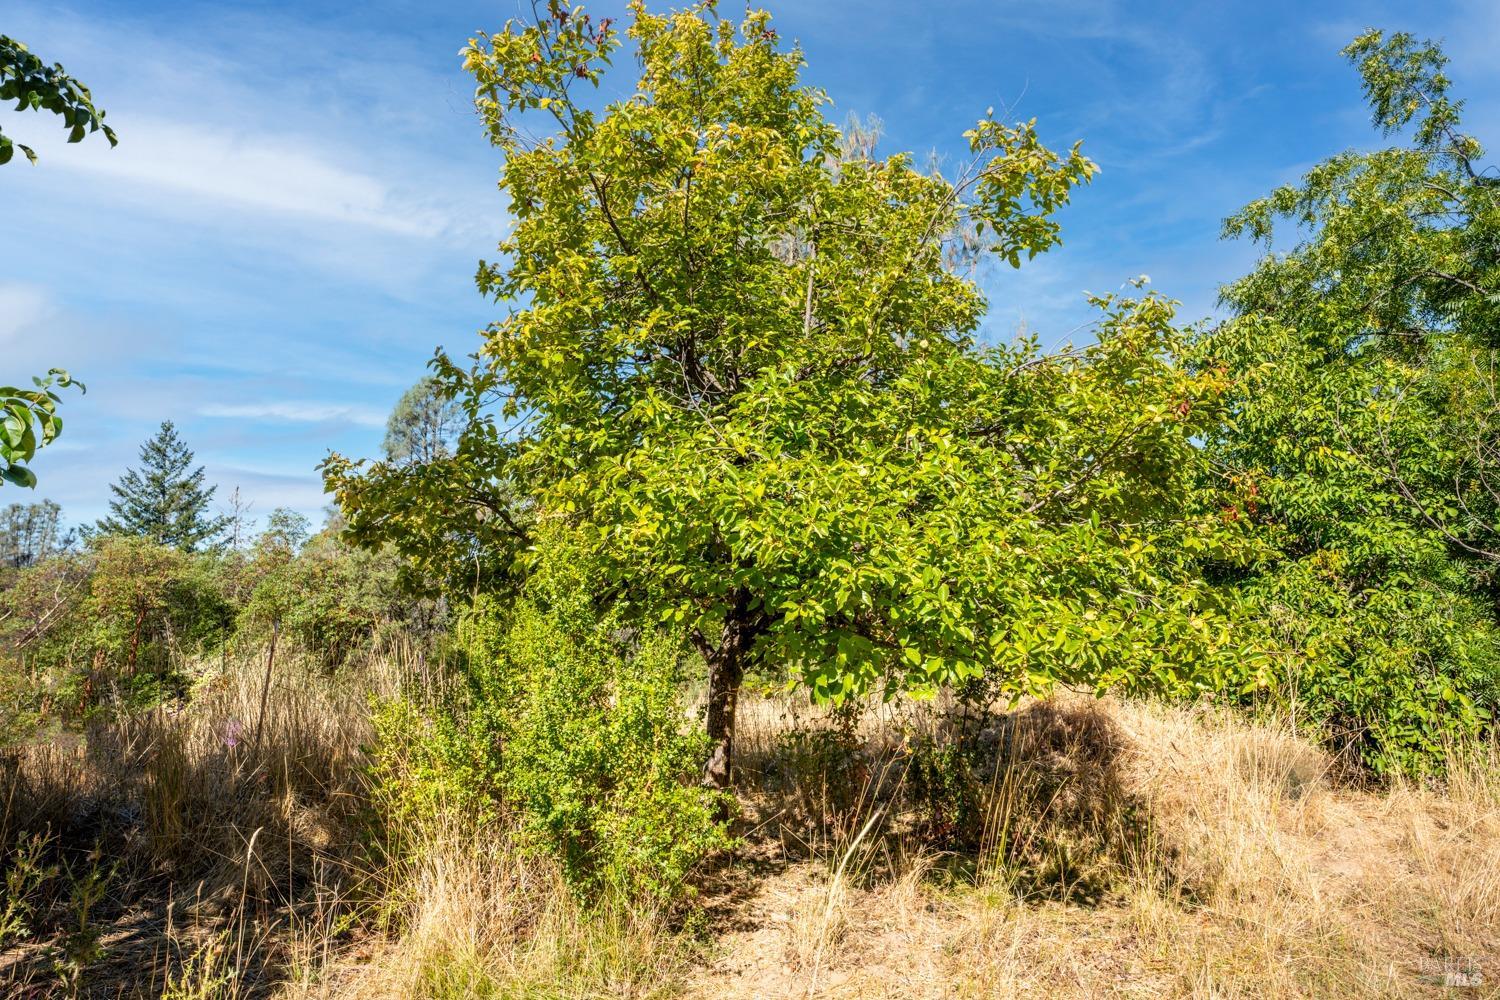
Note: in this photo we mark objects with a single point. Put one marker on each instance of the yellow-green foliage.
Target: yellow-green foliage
(129, 621)
(1359, 450)
(576, 728)
(329, 599)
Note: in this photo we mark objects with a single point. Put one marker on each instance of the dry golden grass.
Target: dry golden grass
(1256, 877)
(215, 824)
(1220, 859)
(231, 839)
(478, 919)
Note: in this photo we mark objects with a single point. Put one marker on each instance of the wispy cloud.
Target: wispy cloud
(258, 171)
(281, 120)
(297, 202)
(266, 490)
(292, 411)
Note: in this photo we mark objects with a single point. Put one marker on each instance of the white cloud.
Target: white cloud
(293, 411)
(250, 123)
(285, 174)
(267, 489)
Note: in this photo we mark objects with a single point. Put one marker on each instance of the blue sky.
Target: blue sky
(292, 220)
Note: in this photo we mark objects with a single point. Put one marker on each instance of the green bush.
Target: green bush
(144, 608)
(573, 729)
(431, 766)
(822, 777)
(942, 783)
(602, 761)
(330, 600)
(1392, 673)
(127, 621)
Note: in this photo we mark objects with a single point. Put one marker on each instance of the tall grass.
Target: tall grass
(1227, 859)
(1074, 847)
(475, 917)
(212, 836)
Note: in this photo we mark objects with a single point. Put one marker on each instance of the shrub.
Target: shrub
(1037, 792)
(146, 604)
(431, 765)
(330, 601)
(575, 730)
(601, 761)
(128, 621)
(1393, 677)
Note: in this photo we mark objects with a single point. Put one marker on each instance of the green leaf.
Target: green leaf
(19, 475)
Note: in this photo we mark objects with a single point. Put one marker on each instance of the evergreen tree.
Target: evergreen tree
(424, 426)
(163, 500)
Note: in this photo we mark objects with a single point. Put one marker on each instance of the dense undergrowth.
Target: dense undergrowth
(505, 800)
(512, 807)
(178, 852)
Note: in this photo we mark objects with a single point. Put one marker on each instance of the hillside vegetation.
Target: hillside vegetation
(1126, 847)
(738, 621)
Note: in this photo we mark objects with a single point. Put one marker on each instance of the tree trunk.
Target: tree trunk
(726, 670)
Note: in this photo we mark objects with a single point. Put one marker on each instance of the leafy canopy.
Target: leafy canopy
(28, 422)
(1362, 431)
(30, 415)
(740, 371)
(453, 515)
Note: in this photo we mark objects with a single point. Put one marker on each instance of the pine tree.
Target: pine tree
(163, 500)
(425, 425)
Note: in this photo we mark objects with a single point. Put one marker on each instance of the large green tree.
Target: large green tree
(1363, 443)
(165, 499)
(742, 375)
